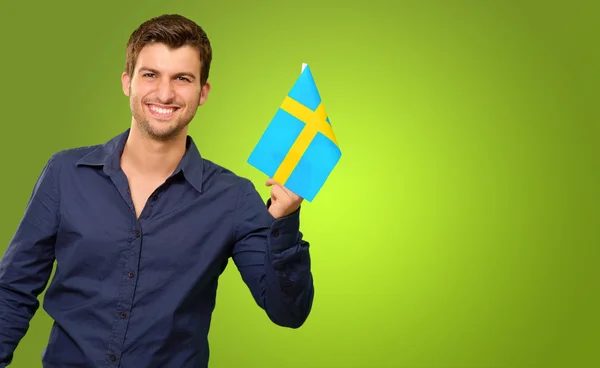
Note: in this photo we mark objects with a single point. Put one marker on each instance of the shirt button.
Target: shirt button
(275, 233)
(123, 315)
(112, 357)
(137, 234)
(130, 274)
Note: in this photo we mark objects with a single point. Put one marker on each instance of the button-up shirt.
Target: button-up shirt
(139, 292)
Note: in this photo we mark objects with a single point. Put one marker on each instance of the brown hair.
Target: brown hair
(174, 31)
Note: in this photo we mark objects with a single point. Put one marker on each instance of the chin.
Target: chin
(159, 130)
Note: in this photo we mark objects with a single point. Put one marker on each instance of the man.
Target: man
(142, 226)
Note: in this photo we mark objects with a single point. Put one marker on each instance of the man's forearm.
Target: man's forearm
(273, 260)
(24, 272)
(16, 311)
(290, 288)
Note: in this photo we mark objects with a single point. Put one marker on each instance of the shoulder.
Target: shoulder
(219, 177)
(239, 189)
(240, 195)
(70, 157)
(55, 167)
(236, 191)
(62, 160)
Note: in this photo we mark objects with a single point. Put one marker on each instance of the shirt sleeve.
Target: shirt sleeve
(26, 265)
(273, 260)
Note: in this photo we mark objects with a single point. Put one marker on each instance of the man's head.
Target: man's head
(166, 74)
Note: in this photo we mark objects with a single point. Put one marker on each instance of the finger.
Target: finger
(278, 189)
(271, 182)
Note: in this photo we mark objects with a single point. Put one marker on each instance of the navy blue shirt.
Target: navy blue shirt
(139, 293)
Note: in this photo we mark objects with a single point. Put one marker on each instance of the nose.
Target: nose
(165, 91)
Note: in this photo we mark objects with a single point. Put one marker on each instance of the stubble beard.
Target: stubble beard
(166, 130)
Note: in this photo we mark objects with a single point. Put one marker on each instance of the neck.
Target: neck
(153, 157)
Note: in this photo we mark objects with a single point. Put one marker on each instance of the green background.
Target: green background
(460, 228)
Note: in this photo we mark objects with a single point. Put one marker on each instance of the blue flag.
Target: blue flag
(298, 149)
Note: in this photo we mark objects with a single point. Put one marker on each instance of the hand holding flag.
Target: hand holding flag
(284, 202)
(298, 150)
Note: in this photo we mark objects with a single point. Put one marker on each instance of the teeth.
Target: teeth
(161, 110)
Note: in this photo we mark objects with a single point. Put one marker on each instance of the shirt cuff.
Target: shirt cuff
(284, 232)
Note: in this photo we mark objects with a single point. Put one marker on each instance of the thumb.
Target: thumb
(271, 182)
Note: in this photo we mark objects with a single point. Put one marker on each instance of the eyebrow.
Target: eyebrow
(154, 71)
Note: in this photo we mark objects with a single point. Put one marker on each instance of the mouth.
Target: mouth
(161, 111)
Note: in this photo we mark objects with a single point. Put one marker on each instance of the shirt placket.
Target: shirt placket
(130, 262)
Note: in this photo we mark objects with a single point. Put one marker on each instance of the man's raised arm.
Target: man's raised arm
(273, 259)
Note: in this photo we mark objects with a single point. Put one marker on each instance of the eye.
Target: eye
(150, 75)
(184, 79)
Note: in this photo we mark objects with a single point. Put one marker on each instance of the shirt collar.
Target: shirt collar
(108, 156)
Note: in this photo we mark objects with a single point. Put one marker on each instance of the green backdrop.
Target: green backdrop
(460, 228)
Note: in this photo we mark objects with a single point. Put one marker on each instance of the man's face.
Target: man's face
(165, 90)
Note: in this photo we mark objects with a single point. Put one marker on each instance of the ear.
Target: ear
(204, 93)
(126, 83)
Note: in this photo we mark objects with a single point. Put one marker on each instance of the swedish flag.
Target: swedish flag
(298, 149)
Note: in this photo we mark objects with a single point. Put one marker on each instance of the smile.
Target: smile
(161, 112)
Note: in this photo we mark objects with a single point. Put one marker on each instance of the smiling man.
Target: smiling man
(142, 226)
